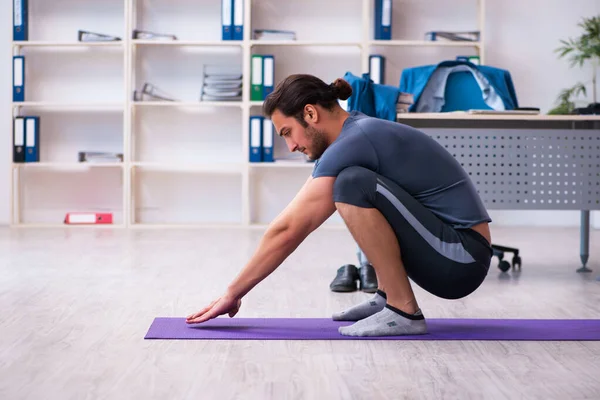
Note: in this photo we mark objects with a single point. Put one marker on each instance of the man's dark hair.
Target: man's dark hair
(296, 91)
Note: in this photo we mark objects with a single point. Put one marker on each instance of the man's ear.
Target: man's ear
(311, 114)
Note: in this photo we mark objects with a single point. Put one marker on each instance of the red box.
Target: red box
(85, 218)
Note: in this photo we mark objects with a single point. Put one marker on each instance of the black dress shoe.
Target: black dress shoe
(345, 279)
(368, 278)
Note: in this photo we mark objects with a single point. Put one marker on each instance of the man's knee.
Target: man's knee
(356, 186)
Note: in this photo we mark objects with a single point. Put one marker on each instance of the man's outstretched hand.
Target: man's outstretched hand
(223, 305)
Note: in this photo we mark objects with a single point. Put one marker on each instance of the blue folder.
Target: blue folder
(238, 19)
(268, 136)
(227, 19)
(20, 20)
(383, 20)
(32, 139)
(255, 147)
(18, 78)
(268, 75)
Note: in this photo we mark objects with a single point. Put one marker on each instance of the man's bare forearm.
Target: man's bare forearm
(279, 241)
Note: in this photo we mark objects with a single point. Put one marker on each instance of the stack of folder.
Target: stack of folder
(100, 157)
(405, 100)
(454, 36)
(149, 35)
(221, 83)
(262, 76)
(151, 92)
(26, 139)
(87, 36)
(273, 34)
(232, 19)
(262, 133)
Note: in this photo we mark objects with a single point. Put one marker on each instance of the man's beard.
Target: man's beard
(318, 142)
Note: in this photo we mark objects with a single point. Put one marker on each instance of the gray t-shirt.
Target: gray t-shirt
(410, 158)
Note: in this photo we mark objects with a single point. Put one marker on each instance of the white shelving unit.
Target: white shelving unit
(68, 44)
(220, 185)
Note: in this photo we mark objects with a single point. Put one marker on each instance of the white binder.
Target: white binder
(377, 68)
(267, 140)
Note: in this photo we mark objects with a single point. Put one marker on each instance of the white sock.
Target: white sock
(388, 322)
(364, 309)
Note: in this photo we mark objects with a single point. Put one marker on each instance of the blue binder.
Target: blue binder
(383, 20)
(20, 20)
(256, 124)
(32, 139)
(377, 68)
(18, 78)
(268, 134)
(238, 19)
(227, 19)
(268, 75)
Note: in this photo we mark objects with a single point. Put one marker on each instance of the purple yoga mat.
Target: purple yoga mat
(226, 328)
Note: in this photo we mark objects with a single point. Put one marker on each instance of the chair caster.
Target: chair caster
(516, 262)
(504, 265)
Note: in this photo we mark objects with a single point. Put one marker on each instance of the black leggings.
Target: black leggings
(447, 262)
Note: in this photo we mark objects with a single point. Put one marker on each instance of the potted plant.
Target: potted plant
(585, 48)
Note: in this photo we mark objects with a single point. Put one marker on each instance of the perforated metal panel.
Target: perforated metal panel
(538, 169)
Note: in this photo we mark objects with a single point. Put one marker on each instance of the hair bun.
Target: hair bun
(334, 89)
(341, 89)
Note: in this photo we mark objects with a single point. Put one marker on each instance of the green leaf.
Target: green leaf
(565, 105)
(578, 89)
(584, 48)
(563, 108)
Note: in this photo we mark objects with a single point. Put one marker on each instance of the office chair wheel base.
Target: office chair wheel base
(504, 265)
(584, 269)
(516, 262)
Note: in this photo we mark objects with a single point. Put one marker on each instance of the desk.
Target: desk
(525, 162)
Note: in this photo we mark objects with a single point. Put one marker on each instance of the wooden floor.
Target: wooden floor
(76, 305)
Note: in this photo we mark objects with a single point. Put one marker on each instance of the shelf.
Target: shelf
(185, 43)
(220, 168)
(239, 43)
(283, 164)
(187, 104)
(303, 43)
(176, 147)
(66, 44)
(68, 226)
(211, 225)
(68, 106)
(423, 43)
(192, 225)
(66, 165)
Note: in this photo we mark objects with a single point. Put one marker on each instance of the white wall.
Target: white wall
(537, 72)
